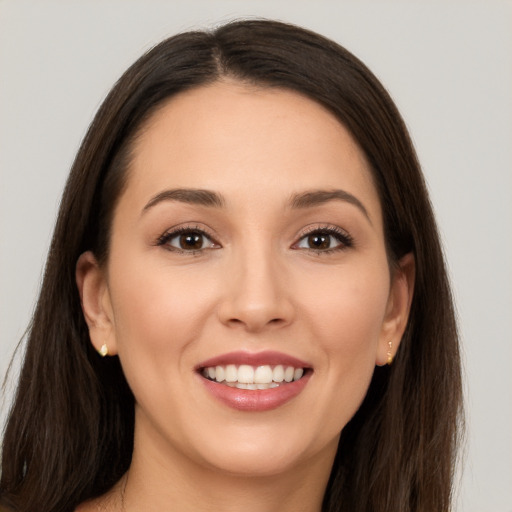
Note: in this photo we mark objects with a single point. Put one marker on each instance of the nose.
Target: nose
(257, 294)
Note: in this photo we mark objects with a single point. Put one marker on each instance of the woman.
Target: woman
(245, 304)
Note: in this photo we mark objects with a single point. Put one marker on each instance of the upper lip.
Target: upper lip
(267, 357)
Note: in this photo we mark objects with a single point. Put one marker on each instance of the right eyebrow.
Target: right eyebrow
(187, 195)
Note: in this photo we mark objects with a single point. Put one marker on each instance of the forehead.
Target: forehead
(233, 138)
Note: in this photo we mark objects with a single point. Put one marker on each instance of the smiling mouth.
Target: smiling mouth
(253, 377)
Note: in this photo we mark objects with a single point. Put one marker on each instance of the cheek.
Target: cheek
(159, 313)
(153, 304)
(348, 308)
(158, 316)
(345, 316)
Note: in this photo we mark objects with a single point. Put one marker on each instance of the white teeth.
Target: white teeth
(263, 375)
(231, 373)
(278, 373)
(246, 374)
(248, 377)
(219, 374)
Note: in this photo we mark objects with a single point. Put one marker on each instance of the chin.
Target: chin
(265, 454)
(262, 465)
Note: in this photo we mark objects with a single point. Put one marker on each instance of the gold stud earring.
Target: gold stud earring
(103, 351)
(390, 357)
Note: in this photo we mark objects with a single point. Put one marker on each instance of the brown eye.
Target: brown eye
(319, 241)
(187, 241)
(191, 241)
(324, 240)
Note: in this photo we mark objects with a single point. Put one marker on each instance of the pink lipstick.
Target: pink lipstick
(254, 381)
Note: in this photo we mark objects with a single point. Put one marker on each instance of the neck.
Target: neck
(163, 481)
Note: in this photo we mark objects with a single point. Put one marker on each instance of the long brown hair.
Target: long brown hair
(69, 436)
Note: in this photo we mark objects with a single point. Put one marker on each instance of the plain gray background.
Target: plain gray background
(447, 65)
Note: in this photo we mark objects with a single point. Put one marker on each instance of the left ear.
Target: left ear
(397, 309)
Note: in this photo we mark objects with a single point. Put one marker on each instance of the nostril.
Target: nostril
(254, 315)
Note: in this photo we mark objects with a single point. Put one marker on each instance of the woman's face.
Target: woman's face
(246, 247)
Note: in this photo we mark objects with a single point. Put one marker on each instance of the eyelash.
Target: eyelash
(345, 240)
(164, 239)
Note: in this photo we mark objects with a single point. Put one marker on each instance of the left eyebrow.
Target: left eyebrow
(312, 198)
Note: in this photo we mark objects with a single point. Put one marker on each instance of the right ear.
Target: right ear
(95, 300)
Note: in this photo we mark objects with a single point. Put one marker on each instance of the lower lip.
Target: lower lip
(258, 399)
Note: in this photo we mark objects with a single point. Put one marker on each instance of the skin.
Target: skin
(256, 285)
